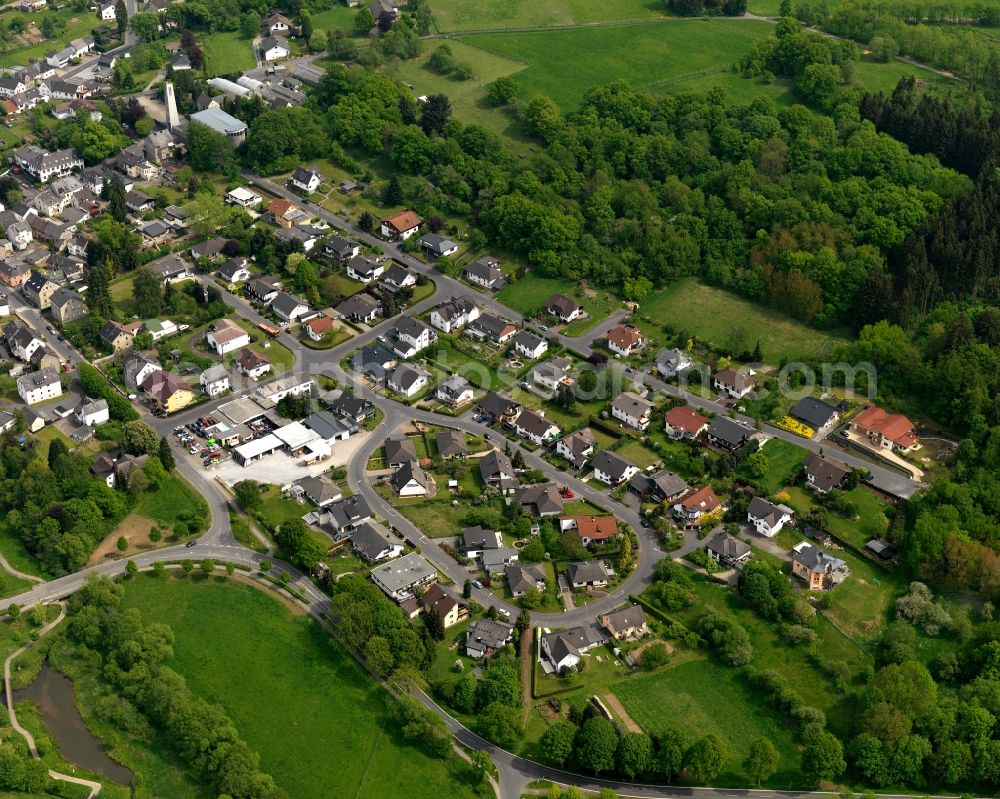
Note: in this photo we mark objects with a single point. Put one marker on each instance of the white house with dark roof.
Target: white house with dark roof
(577, 447)
(768, 519)
(306, 179)
(485, 273)
(437, 246)
(533, 426)
(289, 307)
(408, 380)
(612, 469)
(632, 410)
(455, 391)
(454, 314)
(529, 345)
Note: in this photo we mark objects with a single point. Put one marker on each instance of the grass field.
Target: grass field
(174, 499)
(277, 508)
(290, 691)
(528, 294)
(721, 319)
(870, 522)
(784, 461)
(121, 296)
(452, 15)
(566, 63)
(227, 52)
(702, 697)
(468, 97)
(15, 552)
(340, 16)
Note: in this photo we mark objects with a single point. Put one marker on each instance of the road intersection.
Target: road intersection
(219, 544)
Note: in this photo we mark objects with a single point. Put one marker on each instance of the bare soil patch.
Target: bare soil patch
(135, 529)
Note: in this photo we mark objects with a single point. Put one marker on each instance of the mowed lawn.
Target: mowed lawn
(453, 15)
(784, 460)
(528, 295)
(227, 52)
(317, 721)
(722, 319)
(564, 64)
(172, 500)
(702, 697)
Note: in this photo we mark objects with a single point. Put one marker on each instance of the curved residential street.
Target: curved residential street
(219, 544)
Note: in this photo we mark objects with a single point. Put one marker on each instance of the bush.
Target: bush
(654, 656)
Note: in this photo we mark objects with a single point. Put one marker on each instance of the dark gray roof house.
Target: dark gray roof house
(813, 412)
(824, 474)
(371, 543)
(543, 499)
(451, 444)
(399, 449)
(727, 549)
(496, 469)
(728, 433)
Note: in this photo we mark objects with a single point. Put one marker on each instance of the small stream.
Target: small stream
(52, 694)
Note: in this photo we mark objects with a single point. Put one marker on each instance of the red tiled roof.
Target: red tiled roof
(625, 336)
(403, 221)
(893, 426)
(702, 499)
(596, 528)
(685, 419)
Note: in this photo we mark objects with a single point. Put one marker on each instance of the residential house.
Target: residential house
(683, 422)
(39, 386)
(212, 249)
(588, 574)
(632, 410)
(451, 444)
(235, 271)
(477, 540)
(288, 307)
(138, 202)
(306, 179)
(42, 358)
(542, 499)
(374, 362)
(366, 268)
(819, 569)
(552, 374)
(565, 309)
(252, 364)
(346, 515)
(167, 391)
(497, 471)
(437, 246)
(135, 370)
(38, 290)
(697, 503)
(728, 434)
(411, 336)
(227, 336)
(67, 306)
(274, 48)
(497, 408)
(44, 166)
(623, 340)
(767, 518)
(401, 226)
(341, 249)
(533, 426)
(283, 213)
(485, 637)
(886, 430)
(4, 304)
(824, 474)
(399, 449)
(733, 383)
(396, 277)
(359, 308)
(456, 391)
(529, 345)
(92, 412)
(103, 466)
(728, 550)
(349, 406)
(495, 561)
(318, 327)
(670, 363)
(173, 269)
(278, 24)
(487, 326)
(484, 272)
(565, 648)
(160, 328)
(577, 447)
(591, 529)
(399, 578)
(243, 197)
(408, 380)
(521, 579)
(660, 487)
(612, 469)
(626, 624)
(410, 480)
(290, 385)
(155, 233)
(214, 380)
(306, 235)
(373, 545)
(815, 413)
(454, 314)
(438, 601)
(329, 428)
(264, 288)
(107, 12)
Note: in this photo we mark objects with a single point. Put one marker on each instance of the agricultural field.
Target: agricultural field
(457, 15)
(564, 64)
(727, 322)
(226, 53)
(703, 697)
(318, 701)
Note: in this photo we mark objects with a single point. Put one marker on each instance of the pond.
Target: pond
(52, 694)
